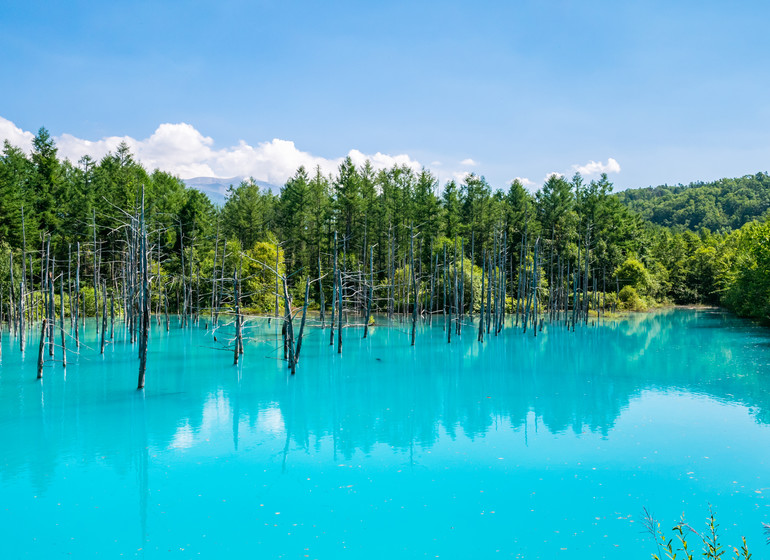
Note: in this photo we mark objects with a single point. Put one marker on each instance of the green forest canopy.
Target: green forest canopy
(720, 205)
(701, 243)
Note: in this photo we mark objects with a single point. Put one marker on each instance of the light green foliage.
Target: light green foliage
(463, 272)
(630, 300)
(747, 283)
(632, 273)
(259, 278)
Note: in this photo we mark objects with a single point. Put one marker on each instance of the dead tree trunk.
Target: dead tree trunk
(237, 344)
(301, 326)
(414, 283)
(145, 311)
(104, 315)
(41, 352)
(339, 313)
(77, 299)
(334, 291)
(481, 305)
(371, 292)
(61, 324)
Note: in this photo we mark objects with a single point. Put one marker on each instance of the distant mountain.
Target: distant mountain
(216, 187)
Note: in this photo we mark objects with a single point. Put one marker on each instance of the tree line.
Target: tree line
(383, 222)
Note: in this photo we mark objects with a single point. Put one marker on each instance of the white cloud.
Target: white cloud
(553, 174)
(16, 136)
(182, 150)
(597, 167)
(468, 161)
(383, 161)
(524, 181)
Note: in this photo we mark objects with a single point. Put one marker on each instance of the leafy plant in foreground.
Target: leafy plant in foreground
(711, 547)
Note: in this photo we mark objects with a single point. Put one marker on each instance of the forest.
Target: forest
(707, 243)
(721, 205)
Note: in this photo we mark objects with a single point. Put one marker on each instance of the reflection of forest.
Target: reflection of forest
(571, 381)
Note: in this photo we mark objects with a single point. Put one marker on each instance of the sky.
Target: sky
(650, 92)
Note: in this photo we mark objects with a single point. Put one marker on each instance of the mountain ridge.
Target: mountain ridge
(216, 187)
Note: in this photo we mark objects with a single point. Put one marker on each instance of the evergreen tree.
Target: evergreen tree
(45, 181)
(450, 201)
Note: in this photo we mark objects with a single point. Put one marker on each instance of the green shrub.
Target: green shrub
(630, 300)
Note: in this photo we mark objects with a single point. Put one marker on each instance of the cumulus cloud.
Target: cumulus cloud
(553, 174)
(597, 167)
(16, 136)
(524, 181)
(182, 150)
(383, 161)
(468, 161)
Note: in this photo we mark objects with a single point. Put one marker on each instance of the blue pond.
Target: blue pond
(520, 447)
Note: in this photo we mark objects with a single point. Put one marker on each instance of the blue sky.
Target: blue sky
(672, 91)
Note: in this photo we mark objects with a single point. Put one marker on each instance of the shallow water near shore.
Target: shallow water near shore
(520, 447)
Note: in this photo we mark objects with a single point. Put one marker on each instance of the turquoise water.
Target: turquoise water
(522, 447)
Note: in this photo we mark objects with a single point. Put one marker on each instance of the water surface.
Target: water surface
(520, 447)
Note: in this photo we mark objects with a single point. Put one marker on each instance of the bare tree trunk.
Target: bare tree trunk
(414, 282)
(96, 274)
(40, 352)
(470, 309)
(454, 266)
(112, 314)
(461, 313)
(165, 308)
(334, 292)
(481, 305)
(535, 279)
(277, 254)
(104, 315)
(236, 345)
(51, 304)
(184, 280)
(61, 324)
(289, 324)
(371, 292)
(445, 281)
(77, 299)
(585, 282)
(339, 314)
(301, 325)
(214, 276)
(69, 279)
(145, 311)
(322, 302)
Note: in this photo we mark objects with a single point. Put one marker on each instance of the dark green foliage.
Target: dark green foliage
(450, 200)
(717, 206)
(45, 181)
(15, 172)
(248, 213)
